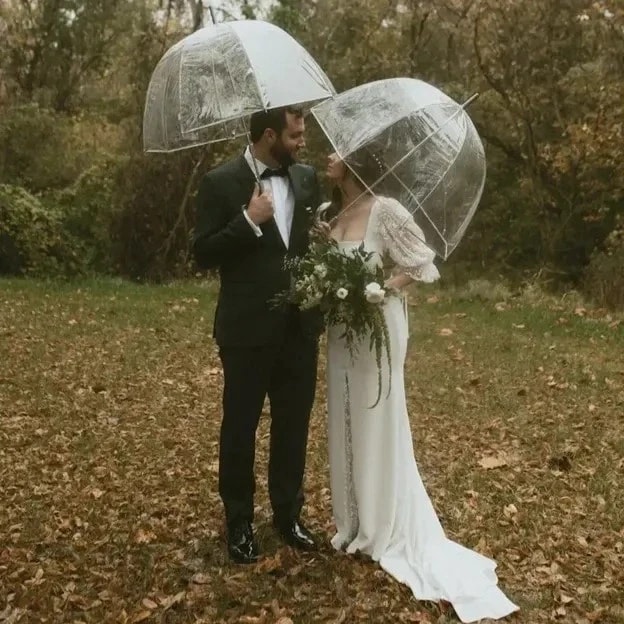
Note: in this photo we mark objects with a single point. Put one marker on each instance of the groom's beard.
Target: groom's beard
(281, 155)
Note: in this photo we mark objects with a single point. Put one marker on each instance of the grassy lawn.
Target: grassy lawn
(109, 421)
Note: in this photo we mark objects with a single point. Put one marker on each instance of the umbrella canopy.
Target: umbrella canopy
(206, 85)
(405, 139)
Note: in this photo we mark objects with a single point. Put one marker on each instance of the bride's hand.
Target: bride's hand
(322, 228)
(398, 282)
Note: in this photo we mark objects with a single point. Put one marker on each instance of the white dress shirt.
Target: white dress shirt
(283, 199)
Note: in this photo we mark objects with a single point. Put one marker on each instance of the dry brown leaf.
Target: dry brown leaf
(154, 446)
(141, 616)
(11, 615)
(149, 604)
(144, 537)
(489, 462)
(169, 601)
(510, 510)
(342, 617)
(275, 608)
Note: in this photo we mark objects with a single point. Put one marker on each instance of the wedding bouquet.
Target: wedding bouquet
(347, 290)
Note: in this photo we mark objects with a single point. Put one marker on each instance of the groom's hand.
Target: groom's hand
(260, 208)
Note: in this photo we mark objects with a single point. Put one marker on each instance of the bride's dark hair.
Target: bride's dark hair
(365, 167)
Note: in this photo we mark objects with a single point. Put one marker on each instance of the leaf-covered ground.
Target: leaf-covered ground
(109, 420)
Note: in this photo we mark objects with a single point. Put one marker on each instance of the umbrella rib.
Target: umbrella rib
(388, 125)
(253, 73)
(421, 210)
(451, 163)
(214, 82)
(163, 121)
(171, 150)
(463, 228)
(399, 162)
(330, 139)
(430, 192)
(411, 151)
(308, 68)
(373, 192)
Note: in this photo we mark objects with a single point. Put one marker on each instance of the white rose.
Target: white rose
(342, 293)
(320, 270)
(374, 293)
(372, 287)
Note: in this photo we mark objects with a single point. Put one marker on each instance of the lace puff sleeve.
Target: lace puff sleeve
(403, 241)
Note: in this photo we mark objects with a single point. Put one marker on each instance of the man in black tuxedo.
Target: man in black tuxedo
(246, 231)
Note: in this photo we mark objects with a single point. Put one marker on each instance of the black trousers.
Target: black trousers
(286, 372)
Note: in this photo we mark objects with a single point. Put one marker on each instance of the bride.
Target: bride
(380, 505)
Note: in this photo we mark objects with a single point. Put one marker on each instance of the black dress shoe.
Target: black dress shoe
(296, 535)
(242, 546)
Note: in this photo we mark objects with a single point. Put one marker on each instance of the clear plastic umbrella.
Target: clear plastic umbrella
(206, 86)
(405, 139)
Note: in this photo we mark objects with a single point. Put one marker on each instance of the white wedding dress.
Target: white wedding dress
(380, 505)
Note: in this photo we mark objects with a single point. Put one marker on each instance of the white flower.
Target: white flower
(376, 296)
(374, 293)
(320, 270)
(372, 287)
(342, 293)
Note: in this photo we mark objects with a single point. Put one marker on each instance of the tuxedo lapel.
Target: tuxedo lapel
(301, 183)
(244, 173)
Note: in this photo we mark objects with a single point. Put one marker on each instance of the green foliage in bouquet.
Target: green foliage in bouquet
(348, 289)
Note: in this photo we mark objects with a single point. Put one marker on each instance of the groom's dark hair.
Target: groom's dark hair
(275, 118)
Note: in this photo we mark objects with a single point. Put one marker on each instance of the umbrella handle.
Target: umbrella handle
(212, 13)
(255, 164)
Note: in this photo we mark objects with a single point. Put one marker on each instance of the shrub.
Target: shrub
(32, 241)
(88, 212)
(603, 280)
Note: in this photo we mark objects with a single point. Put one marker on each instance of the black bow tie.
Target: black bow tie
(268, 173)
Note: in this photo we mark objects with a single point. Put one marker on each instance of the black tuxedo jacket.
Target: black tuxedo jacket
(251, 267)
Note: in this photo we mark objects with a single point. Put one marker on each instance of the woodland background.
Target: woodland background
(110, 382)
(78, 196)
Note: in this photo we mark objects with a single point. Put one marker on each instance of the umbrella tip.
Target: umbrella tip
(470, 100)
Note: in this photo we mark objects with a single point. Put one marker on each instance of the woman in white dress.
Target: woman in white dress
(380, 505)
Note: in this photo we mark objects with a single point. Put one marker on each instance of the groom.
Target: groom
(246, 231)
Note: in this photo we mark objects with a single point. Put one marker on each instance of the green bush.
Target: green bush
(88, 212)
(32, 240)
(42, 150)
(603, 280)
(152, 223)
(33, 148)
